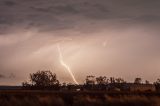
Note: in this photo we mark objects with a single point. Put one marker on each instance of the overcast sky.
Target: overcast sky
(119, 38)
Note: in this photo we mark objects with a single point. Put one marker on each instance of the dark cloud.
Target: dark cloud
(29, 30)
(61, 14)
(10, 3)
(57, 10)
(2, 76)
(148, 19)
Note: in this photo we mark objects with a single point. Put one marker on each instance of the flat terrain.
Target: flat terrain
(77, 98)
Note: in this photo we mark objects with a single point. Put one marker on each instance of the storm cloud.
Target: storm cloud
(59, 14)
(119, 37)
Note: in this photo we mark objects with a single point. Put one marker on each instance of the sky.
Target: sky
(119, 38)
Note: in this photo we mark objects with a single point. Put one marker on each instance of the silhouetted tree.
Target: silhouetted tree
(42, 79)
(157, 84)
(119, 80)
(107, 80)
(90, 80)
(26, 84)
(147, 82)
(101, 80)
(158, 81)
(112, 80)
(138, 80)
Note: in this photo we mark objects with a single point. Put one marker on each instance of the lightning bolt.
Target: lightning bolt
(65, 65)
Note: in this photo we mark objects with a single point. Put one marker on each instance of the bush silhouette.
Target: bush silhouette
(42, 79)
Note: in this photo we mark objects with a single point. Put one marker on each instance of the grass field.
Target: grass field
(70, 98)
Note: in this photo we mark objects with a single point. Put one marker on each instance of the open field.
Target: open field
(71, 98)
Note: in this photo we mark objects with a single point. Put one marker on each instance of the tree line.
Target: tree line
(48, 80)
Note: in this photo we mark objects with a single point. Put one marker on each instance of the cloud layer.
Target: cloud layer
(59, 14)
(112, 38)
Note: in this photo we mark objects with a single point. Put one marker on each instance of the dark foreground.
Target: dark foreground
(81, 98)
